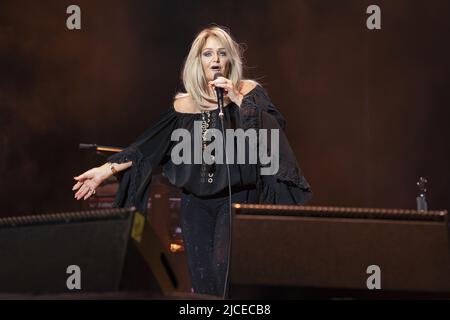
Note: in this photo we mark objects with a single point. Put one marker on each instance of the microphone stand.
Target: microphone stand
(219, 94)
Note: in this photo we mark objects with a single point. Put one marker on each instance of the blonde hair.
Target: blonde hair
(193, 76)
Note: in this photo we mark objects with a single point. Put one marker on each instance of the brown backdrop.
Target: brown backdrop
(367, 110)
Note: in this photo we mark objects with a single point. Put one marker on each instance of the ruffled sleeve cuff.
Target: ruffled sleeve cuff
(131, 179)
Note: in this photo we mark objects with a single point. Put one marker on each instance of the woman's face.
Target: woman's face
(214, 58)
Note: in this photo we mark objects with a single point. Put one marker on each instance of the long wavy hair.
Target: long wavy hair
(193, 77)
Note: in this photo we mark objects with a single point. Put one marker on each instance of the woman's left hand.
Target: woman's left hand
(229, 90)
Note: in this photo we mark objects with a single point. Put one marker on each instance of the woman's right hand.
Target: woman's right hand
(89, 181)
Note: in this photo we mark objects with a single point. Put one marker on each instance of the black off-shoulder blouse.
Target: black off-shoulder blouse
(154, 148)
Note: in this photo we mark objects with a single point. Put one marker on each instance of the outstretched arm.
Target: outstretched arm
(88, 181)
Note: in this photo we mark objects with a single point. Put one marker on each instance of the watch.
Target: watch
(112, 166)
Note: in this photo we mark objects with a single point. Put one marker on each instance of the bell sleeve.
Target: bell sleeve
(147, 152)
(288, 186)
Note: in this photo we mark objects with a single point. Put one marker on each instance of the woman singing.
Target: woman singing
(205, 202)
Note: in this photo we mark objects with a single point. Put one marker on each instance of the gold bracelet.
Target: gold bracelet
(113, 169)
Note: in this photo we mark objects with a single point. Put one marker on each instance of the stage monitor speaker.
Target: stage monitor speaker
(290, 252)
(104, 250)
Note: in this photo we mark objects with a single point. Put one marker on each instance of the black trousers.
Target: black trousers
(206, 236)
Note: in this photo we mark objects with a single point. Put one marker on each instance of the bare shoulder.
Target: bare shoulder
(184, 104)
(247, 86)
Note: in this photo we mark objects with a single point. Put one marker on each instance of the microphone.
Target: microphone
(219, 94)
